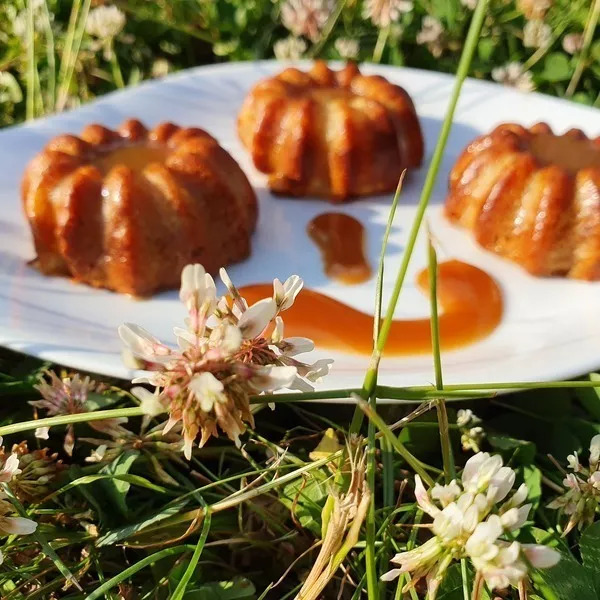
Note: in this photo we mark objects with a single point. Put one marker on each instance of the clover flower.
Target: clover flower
(10, 525)
(581, 500)
(105, 22)
(470, 4)
(36, 470)
(534, 9)
(513, 75)
(383, 13)
(432, 35)
(572, 42)
(469, 519)
(471, 434)
(306, 17)
(225, 356)
(289, 48)
(66, 396)
(347, 48)
(537, 34)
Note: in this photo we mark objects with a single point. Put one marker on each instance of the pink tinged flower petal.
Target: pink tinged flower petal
(271, 378)
(42, 433)
(423, 499)
(595, 451)
(541, 557)
(255, 320)
(17, 525)
(150, 403)
(285, 294)
(144, 344)
(192, 280)
(10, 468)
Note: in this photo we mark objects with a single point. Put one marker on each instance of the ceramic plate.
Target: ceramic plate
(550, 328)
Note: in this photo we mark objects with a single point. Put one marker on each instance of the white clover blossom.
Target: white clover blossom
(572, 42)
(347, 48)
(432, 35)
(470, 518)
(471, 435)
(382, 13)
(105, 22)
(224, 356)
(471, 4)
(581, 500)
(534, 9)
(19, 20)
(290, 48)
(537, 34)
(513, 75)
(306, 17)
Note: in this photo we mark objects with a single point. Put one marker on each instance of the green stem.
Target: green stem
(461, 74)
(465, 578)
(588, 37)
(416, 464)
(138, 566)
(115, 67)
(380, 44)
(31, 67)
(442, 414)
(98, 415)
(328, 29)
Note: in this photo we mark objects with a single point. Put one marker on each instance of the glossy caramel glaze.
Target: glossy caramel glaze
(341, 240)
(128, 209)
(470, 299)
(331, 134)
(136, 157)
(532, 197)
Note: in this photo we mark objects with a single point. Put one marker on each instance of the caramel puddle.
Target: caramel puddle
(470, 299)
(341, 240)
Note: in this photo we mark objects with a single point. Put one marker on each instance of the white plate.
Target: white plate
(550, 327)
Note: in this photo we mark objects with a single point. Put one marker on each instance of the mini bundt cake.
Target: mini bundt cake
(532, 197)
(330, 134)
(127, 210)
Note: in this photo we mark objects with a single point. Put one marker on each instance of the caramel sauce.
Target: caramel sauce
(567, 152)
(470, 299)
(341, 240)
(135, 156)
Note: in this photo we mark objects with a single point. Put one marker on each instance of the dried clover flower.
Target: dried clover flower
(36, 471)
(225, 356)
(582, 498)
(67, 396)
(469, 519)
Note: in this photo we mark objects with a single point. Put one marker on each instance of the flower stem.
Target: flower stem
(442, 414)
(588, 38)
(98, 415)
(465, 578)
(477, 587)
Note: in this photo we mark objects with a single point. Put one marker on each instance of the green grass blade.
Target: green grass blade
(189, 571)
(133, 569)
(442, 413)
